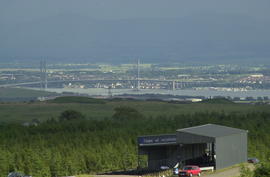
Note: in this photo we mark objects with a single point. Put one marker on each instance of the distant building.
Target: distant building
(257, 75)
(194, 100)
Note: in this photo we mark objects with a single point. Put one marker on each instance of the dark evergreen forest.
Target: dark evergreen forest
(74, 144)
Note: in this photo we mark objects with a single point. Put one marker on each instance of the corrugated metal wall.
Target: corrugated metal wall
(231, 150)
(188, 138)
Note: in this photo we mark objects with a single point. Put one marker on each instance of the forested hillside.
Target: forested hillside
(72, 144)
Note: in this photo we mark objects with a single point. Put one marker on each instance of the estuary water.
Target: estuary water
(188, 92)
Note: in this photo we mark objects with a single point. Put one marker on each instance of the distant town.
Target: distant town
(137, 76)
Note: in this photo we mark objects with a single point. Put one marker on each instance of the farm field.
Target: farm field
(20, 112)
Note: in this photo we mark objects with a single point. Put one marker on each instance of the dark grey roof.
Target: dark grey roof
(212, 130)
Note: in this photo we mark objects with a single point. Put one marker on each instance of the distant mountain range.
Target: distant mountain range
(205, 38)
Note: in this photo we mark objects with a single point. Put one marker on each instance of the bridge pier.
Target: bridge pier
(173, 85)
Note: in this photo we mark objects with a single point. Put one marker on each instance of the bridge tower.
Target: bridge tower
(173, 85)
(138, 75)
(110, 95)
(43, 75)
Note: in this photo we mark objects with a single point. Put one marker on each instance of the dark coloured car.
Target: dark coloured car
(253, 160)
(190, 170)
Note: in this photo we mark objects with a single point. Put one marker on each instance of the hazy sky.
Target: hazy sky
(17, 10)
(62, 28)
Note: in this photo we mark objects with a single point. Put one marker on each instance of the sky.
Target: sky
(18, 10)
(23, 22)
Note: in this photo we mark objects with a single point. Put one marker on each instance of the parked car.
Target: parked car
(253, 160)
(190, 170)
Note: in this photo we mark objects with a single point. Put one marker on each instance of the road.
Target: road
(232, 172)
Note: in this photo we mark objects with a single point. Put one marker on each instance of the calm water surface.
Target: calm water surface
(189, 92)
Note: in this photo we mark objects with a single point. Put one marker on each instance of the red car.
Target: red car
(190, 170)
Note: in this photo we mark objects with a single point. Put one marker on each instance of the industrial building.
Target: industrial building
(205, 145)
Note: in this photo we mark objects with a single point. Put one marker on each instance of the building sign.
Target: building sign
(156, 140)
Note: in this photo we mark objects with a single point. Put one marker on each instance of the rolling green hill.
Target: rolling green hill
(76, 99)
(218, 101)
(20, 112)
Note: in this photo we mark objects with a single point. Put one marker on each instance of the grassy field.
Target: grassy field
(20, 112)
